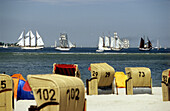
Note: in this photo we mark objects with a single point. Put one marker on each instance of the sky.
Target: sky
(85, 20)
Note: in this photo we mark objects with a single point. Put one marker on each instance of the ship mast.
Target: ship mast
(115, 36)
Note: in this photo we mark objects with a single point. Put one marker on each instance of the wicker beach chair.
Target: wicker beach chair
(166, 85)
(6, 93)
(55, 92)
(66, 69)
(137, 77)
(102, 76)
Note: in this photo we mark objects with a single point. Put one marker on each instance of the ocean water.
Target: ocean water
(15, 60)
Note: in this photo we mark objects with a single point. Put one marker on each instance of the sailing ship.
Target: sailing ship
(65, 44)
(116, 43)
(112, 43)
(100, 45)
(30, 41)
(125, 43)
(145, 46)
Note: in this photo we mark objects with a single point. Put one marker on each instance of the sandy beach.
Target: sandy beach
(113, 102)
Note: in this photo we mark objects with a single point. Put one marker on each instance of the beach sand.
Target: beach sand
(113, 102)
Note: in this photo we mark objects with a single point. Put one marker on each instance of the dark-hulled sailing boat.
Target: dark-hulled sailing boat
(145, 46)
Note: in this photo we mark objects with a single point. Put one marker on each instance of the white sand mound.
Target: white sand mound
(121, 102)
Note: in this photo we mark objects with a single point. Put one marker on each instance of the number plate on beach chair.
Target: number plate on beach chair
(6, 93)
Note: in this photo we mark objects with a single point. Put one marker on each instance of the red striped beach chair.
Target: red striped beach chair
(66, 69)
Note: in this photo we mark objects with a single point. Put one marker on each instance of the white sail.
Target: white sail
(115, 35)
(39, 40)
(63, 40)
(111, 42)
(33, 39)
(28, 34)
(125, 43)
(21, 42)
(106, 41)
(55, 44)
(21, 36)
(27, 41)
(119, 43)
(100, 45)
(70, 44)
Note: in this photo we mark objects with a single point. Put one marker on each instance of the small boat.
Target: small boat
(63, 48)
(145, 46)
(5, 46)
(65, 44)
(100, 45)
(30, 41)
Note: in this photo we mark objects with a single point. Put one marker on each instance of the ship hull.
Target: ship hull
(116, 49)
(144, 49)
(62, 49)
(99, 50)
(32, 48)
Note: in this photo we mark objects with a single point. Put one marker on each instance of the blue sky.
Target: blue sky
(85, 20)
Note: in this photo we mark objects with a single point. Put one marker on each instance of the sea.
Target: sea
(14, 60)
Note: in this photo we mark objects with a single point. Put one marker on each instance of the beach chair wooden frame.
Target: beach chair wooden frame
(92, 86)
(67, 69)
(166, 85)
(102, 76)
(137, 77)
(6, 93)
(55, 92)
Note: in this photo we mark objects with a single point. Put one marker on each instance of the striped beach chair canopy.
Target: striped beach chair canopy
(66, 69)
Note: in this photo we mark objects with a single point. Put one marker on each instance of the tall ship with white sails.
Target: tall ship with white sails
(65, 43)
(107, 43)
(30, 41)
